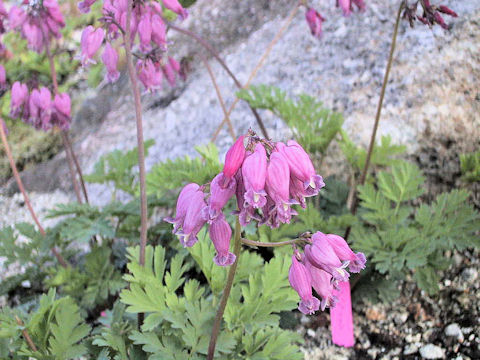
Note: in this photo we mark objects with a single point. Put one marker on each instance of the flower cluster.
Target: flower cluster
(147, 22)
(431, 14)
(322, 265)
(37, 21)
(267, 178)
(315, 20)
(38, 109)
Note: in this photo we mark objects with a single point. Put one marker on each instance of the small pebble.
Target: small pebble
(455, 331)
(311, 333)
(431, 351)
(469, 275)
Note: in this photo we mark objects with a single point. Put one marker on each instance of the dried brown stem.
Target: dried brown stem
(27, 337)
(219, 96)
(16, 175)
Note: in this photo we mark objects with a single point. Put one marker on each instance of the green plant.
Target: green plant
(399, 238)
(313, 125)
(470, 166)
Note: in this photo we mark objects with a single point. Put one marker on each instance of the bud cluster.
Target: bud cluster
(431, 14)
(322, 266)
(38, 109)
(146, 22)
(37, 21)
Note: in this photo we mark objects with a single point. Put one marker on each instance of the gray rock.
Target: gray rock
(469, 275)
(431, 351)
(410, 349)
(454, 330)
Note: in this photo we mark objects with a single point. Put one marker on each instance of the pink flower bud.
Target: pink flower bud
(254, 170)
(322, 283)
(314, 21)
(301, 281)
(447, 11)
(221, 233)
(194, 219)
(159, 31)
(145, 32)
(90, 43)
(84, 6)
(219, 196)
(301, 167)
(234, 158)
(183, 202)
(345, 6)
(175, 6)
(110, 59)
(342, 250)
(322, 255)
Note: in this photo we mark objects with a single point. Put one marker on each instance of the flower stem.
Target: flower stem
(270, 244)
(379, 110)
(141, 150)
(226, 292)
(260, 63)
(215, 54)
(16, 175)
(220, 98)
(70, 154)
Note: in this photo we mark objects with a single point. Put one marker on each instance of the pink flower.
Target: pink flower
(194, 220)
(183, 202)
(110, 59)
(446, 10)
(301, 167)
(342, 250)
(219, 197)
(159, 32)
(360, 4)
(84, 6)
(321, 282)
(345, 5)
(54, 12)
(221, 233)
(314, 21)
(61, 116)
(175, 6)
(148, 74)
(322, 255)
(3, 78)
(16, 17)
(234, 158)
(301, 281)
(145, 32)
(254, 170)
(278, 181)
(34, 35)
(19, 98)
(90, 43)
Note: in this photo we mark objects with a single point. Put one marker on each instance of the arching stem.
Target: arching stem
(271, 244)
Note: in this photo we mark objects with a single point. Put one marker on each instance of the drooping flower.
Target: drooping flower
(221, 233)
(254, 170)
(322, 255)
(84, 6)
(3, 78)
(194, 219)
(301, 281)
(342, 250)
(345, 5)
(145, 32)
(314, 21)
(219, 196)
(90, 43)
(149, 75)
(321, 282)
(19, 98)
(183, 202)
(16, 17)
(110, 59)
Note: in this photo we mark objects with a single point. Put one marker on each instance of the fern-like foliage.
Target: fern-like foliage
(470, 166)
(117, 168)
(383, 154)
(56, 329)
(397, 237)
(172, 174)
(312, 124)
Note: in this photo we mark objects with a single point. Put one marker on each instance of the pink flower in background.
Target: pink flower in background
(314, 21)
(149, 75)
(84, 6)
(16, 17)
(110, 59)
(19, 98)
(3, 78)
(345, 6)
(175, 6)
(90, 43)
(145, 32)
